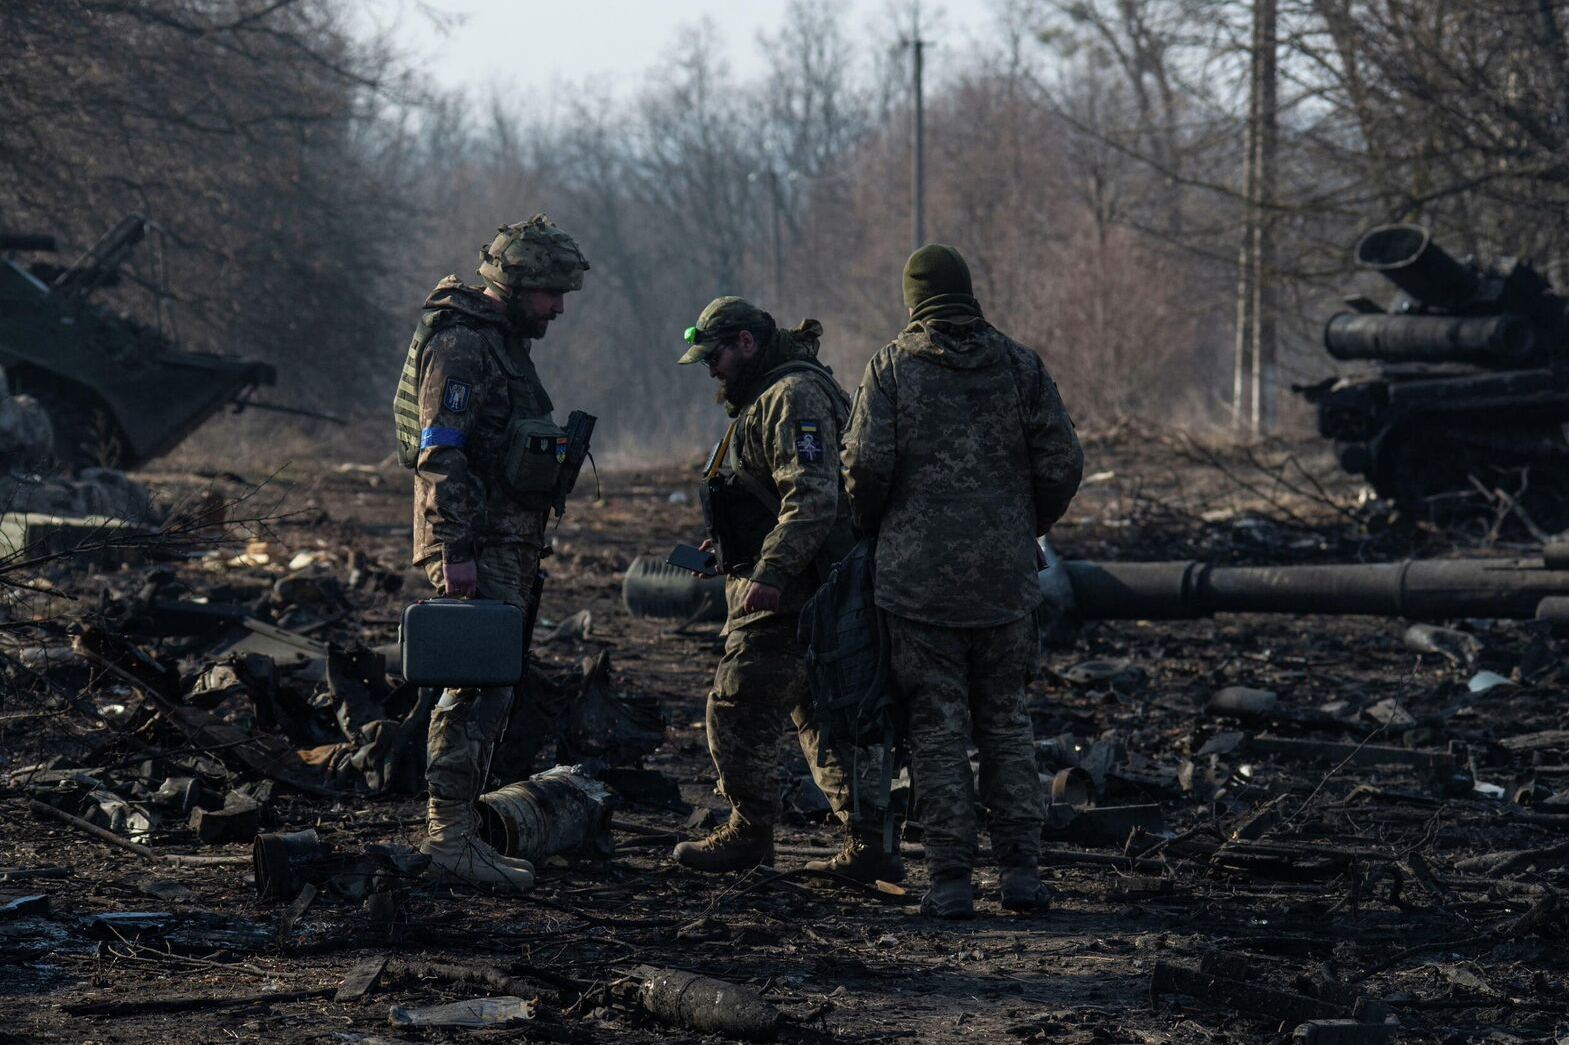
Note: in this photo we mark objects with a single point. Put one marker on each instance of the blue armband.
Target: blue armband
(437, 436)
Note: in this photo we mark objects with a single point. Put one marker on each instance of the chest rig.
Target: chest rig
(525, 450)
(739, 510)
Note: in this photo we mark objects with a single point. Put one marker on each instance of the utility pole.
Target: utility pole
(918, 152)
(1266, 283)
(776, 205)
(773, 185)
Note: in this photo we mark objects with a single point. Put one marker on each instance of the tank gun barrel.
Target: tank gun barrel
(1407, 256)
(102, 260)
(1498, 340)
(1423, 589)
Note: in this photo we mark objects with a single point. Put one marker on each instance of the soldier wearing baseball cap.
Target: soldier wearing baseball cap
(476, 425)
(777, 517)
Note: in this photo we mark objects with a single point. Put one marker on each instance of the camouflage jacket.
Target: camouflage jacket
(959, 454)
(787, 441)
(474, 375)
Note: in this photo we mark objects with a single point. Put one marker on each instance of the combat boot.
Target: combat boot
(734, 846)
(457, 853)
(1022, 890)
(863, 859)
(950, 897)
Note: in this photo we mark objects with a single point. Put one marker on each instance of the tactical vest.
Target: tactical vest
(533, 447)
(738, 510)
(405, 402)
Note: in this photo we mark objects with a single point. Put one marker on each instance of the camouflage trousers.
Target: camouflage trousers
(959, 683)
(465, 723)
(760, 679)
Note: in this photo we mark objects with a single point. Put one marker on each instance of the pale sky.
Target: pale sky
(534, 45)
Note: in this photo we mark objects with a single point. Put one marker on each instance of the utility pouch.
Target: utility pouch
(736, 520)
(536, 449)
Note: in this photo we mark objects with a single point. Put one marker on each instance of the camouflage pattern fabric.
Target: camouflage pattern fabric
(473, 376)
(721, 319)
(532, 255)
(959, 453)
(962, 682)
(465, 723)
(761, 678)
(787, 442)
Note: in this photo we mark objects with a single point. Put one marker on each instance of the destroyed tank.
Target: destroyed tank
(118, 392)
(1466, 375)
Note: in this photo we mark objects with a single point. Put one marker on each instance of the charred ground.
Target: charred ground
(1320, 882)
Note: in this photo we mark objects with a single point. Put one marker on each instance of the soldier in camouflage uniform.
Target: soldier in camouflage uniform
(784, 448)
(475, 423)
(959, 454)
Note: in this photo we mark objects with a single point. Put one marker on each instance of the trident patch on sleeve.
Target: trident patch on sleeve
(808, 444)
(455, 396)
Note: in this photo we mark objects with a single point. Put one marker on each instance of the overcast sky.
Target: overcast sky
(534, 45)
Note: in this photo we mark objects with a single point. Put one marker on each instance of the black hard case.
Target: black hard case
(455, 643)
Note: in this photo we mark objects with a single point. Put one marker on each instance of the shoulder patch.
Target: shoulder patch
(808, 443)
(455, 396)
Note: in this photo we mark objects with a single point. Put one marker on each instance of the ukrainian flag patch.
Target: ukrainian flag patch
(808, 443)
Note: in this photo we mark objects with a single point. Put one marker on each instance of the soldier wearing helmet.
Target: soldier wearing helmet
(476, 425)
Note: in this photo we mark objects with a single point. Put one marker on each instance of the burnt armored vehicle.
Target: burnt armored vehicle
(118, 392)
(1468, 376)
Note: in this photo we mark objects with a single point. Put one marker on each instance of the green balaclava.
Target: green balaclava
(937, 285)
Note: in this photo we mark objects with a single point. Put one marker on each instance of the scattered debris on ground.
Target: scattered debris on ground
(1263, 828)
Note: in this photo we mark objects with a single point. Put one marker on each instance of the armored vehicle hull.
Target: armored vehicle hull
(118, 392)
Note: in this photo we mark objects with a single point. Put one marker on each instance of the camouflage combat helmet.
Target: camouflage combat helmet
(532, 255)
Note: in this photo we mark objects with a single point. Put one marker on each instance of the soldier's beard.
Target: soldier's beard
(529, 325)
(730, 392)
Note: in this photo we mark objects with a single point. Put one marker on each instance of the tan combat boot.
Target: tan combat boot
(733, 846)
(457, 853)
(863, 859)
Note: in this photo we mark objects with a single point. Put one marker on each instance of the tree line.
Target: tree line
(1087, 156)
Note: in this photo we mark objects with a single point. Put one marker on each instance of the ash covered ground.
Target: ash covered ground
(1219, 889)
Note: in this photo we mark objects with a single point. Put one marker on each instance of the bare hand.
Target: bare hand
(760, 597)
(707, 546)
(460, 579)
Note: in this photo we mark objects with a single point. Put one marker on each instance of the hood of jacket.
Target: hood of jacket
(964, 344)
(454, 294)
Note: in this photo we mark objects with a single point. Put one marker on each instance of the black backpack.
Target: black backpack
(846, 640)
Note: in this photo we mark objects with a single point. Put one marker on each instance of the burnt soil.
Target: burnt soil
(1330, 881)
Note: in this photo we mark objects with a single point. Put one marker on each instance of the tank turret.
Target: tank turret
(1463, 374)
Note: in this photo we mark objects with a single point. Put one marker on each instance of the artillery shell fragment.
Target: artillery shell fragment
(706, 1005)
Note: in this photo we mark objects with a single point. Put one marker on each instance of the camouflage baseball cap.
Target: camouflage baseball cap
(532, 255)
(721, 320)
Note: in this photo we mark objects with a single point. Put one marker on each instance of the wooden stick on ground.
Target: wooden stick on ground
(136, 847)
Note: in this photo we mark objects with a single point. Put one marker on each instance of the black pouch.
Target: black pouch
(460, 643)
(737, 522)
